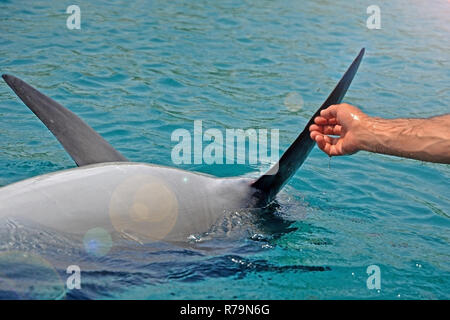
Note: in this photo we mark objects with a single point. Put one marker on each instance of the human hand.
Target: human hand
(344, 121)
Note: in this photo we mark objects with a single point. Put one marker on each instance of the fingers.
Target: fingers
(322, 121)
(330, 112)
(334, 130)
(320, 141)
(326, 129)
(327, 144)
(314, 134)
(326, 124)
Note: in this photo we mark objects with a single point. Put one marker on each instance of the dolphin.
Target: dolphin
(139, 201)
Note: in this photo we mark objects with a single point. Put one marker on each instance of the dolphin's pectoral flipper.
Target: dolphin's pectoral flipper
(271, 182)
(84, 145)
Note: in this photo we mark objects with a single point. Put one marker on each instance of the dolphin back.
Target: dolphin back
(274, 179)
(86, 146)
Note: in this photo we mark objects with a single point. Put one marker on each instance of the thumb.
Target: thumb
(330, 112)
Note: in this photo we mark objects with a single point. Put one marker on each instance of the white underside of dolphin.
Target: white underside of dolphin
(142, 201)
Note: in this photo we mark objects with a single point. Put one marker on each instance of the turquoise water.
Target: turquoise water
(138, 70)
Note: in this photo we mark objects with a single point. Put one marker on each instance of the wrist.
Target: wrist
(370, 134)
(392, 136)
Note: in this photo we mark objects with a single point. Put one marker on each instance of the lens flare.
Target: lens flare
(7, 291)
(25, 275)
(97, 242)
(293, 101)
(144, 207)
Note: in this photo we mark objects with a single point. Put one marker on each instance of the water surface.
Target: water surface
(138, 70)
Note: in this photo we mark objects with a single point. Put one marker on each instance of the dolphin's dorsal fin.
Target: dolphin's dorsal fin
(84, 145)
(273, 180)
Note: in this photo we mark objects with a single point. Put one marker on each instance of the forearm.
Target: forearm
(421, 139)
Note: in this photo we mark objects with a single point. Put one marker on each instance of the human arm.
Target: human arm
(421, 139)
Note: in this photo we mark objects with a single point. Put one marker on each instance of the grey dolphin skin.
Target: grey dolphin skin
(140, 201)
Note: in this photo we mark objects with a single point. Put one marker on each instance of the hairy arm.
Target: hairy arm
(421, 139)
(344, 129)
